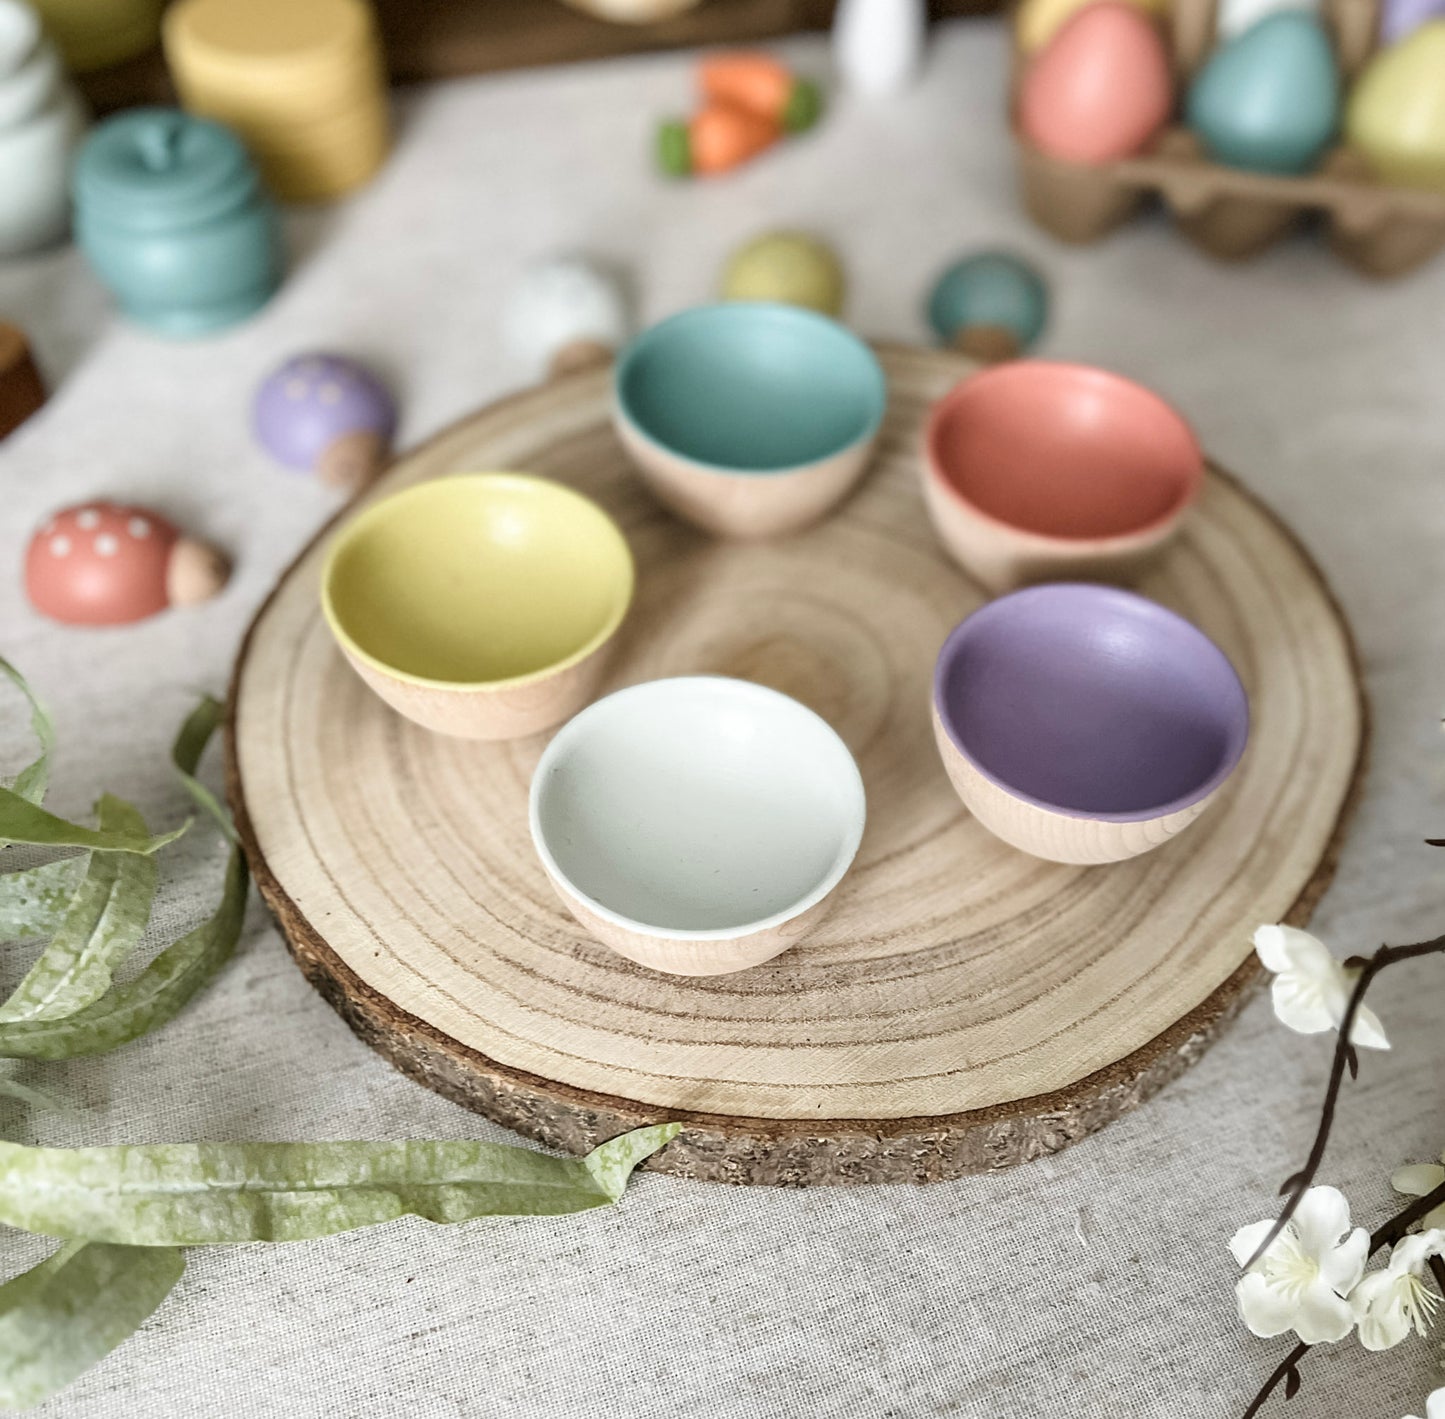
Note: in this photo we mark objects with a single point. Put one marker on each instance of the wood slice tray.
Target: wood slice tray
(962, 1008)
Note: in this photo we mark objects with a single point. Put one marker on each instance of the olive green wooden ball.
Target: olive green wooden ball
(791, 267)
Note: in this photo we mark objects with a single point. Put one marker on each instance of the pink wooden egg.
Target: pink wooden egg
(1100, 89)
(103, 564)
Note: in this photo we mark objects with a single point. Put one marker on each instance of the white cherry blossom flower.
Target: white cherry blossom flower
(1390, 1303)
(1417, 1179)
(1302, 1281)
(1434, 1406)
(1311, 989)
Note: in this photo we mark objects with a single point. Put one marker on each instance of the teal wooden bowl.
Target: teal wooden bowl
(749, 419)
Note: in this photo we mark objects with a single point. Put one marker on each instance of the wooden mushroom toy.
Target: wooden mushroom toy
(326, 413)
(104, 564)
(564, 315)
(991, 305)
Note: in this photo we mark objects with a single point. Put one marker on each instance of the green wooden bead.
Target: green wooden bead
(790, 267)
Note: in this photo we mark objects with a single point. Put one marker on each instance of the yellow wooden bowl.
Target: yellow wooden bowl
(482, 605)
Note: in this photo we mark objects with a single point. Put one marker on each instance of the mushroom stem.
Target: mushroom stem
(991, 344)
(578, 355)
(351, 462)
(195, 572)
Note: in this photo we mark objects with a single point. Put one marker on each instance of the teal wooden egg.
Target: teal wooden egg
(990, 305)
(1269, 101)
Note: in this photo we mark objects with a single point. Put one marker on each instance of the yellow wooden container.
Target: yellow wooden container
(93, 34)
(302, 81)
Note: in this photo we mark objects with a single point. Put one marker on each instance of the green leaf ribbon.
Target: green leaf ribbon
(30, 783)
(125, 1012)
(125, 1212)
(102, 926)
(186, 753)
(154, 997)
(193, 1194)
(59, 1318)
(34, 900)
(22, 821)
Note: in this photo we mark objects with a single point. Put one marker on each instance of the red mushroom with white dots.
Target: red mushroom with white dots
(103, 564)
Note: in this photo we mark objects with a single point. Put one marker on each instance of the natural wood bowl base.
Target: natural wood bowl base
(961, 1008)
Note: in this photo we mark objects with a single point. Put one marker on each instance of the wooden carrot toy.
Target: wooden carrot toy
(750, 100)
(761, 84)
(718, 138)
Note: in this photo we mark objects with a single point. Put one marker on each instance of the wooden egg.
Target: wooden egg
(328, 413)
(1100, 89)
(1269, 101)
(1036, 21)
(104, 564)
(1396, 116)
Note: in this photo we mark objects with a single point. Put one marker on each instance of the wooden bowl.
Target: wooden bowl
(1084, 723)
(482, 605)
(749, 419)
(1040, 471)
(698, 824)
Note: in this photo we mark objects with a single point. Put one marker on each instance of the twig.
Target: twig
(1297, 1184)
(1286, 1370)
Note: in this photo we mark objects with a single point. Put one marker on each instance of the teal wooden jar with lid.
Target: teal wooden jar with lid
(170, 213)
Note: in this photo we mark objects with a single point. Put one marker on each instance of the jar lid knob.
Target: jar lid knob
(158, 140)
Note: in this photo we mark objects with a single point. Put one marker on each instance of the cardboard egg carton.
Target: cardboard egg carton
(1228, 212)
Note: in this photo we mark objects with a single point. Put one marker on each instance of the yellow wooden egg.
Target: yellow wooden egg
(1038, 19)
(1396, 115)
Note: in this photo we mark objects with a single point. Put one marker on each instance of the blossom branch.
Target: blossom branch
(1287, 1371)
(1297, 1184)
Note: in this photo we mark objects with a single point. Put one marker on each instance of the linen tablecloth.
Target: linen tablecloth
(1094, 1284)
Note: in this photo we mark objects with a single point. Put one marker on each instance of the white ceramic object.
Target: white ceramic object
(1236, 16)
(697, 825)
(633, 12)
(878, 44)
(564, 314)
(41, 120)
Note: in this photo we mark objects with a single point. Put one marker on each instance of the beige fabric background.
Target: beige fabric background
(1093, 1285)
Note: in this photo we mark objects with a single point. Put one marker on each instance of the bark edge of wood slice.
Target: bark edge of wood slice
(1065, 999)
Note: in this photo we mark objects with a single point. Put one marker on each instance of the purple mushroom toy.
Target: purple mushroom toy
(327, 413)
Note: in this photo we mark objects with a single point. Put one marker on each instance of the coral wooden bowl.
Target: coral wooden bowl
(749, 419)
(697, 825)
(1084, 723)
(1040, 471)
(482, 605)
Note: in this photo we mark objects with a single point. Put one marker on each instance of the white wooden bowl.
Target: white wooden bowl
(697, 825)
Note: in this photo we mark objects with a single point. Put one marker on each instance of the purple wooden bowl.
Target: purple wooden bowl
(1083, 723)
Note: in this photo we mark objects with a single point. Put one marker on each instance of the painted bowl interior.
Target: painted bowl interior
(699, 807)
(1091, 702)
(1064, 451)
(477, 579)
(750, 387)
